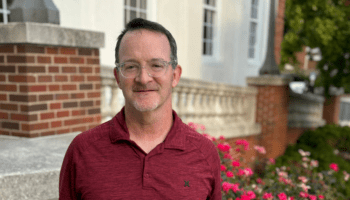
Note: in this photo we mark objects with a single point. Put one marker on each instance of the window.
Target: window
(208, 26)
(253, 29)
(135, 9)
(4, 11)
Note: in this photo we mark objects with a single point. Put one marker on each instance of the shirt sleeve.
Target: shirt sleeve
(215, 160)
(67, 190)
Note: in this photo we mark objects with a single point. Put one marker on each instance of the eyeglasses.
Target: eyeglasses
(154, 68)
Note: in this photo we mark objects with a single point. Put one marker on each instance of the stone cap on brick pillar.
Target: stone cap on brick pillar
(50, 34)
(273, 80)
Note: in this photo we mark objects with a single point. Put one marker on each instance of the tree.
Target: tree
(324, 24)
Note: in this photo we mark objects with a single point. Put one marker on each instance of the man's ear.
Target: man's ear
(115, 71)
(176, 75)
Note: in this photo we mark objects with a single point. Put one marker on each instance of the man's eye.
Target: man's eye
(157, 65)
(128, 67)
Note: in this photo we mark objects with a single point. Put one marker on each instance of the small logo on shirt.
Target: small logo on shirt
(187, 184)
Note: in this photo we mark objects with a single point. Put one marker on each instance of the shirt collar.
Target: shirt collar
(174, 140)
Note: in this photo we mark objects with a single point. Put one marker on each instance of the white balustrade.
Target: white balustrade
(224, 109)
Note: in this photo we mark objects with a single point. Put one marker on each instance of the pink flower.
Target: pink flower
(282, 196)
(260, 149)
(243, 142)
(222, 137)
(334, 166)
(302, 179)
(235, 164)
(320, 196)
(229, 174)
(290, 198)
(314, 163)
(224, 147)
(202, 127)
(272, 161)
(251, 194)
(303, 194)
(312, 197)
(258, 180)
(243, 197)
(237, 149)
(193, 125)
(346, 176)
(223, 168)
(226, 186)
(248, 171)
(228, 156)
(235, 187)
(267, 195)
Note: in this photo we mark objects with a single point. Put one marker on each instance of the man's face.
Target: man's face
(143, 92)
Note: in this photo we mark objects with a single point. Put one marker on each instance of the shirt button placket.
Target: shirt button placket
(146, 175)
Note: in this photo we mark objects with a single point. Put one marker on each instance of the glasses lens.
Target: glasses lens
(154, 69)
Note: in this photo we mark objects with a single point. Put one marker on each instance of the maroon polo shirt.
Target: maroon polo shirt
(103, 163)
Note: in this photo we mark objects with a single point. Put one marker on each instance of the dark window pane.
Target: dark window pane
(0, 4)
(210, 48)
(205, 15)
(143, 15)
(126, 2)
(208, 2)
(132, 15)
(210, 32)
(143, 4)
(8, 18)
(1, 18)
(204, 48)
(133, 3)
(9, 3)
(211, 17)
(204, 32)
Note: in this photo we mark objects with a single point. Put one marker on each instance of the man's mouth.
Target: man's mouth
(145, 90)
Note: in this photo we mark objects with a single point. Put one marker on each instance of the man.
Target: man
(145, 151)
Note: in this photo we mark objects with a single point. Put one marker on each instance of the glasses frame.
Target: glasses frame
(118, 66)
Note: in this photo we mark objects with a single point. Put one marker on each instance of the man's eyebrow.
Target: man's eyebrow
(152, 60)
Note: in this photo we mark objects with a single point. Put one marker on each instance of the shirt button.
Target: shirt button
(147, 175)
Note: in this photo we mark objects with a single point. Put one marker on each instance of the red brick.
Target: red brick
(44, 59)
(60, 78)
(68, 51)
(77, 96)
(10, 125)
(8, 88)
(35, 107)
(85, 87)
(24, 117)
(13, 107)
(37, 126)
(33, 88)
(86, 103)
(4, 115)
(51, 50)
(2, 78)
(23, 98)
(20, 59)
(72, 122)
(54, 106)
(75, 78)
(97, 70)
(63, 114)
(87, 120)
(45, 78)
(28, 48)
(94, 111)
(4, 132)
(47, 133)
(85, 52)
(7, 48)
(98, 119)
(78, 112)
(56, 124)
(21, 79)
(61, 96)
(79, 129)
(96, 52)
(46, 97)
(97, 86)
(54, 69)
(69, 87)
(93, 61)
(3, 97)
(77, 60)
(49, 115)
(31, 69)
(54, 87)
(97, 103)
(61, 60)
(27, 135)
(94, 78)
(8, 69)
(66, 130)
(72, 104)
(85, 69)
(94, 94)
(2, 59)
(69, 69)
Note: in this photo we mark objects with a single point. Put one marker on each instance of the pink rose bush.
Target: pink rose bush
(298, 181)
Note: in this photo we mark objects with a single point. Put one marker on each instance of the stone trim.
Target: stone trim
(308, 96)
(275, 80)
(49, 34)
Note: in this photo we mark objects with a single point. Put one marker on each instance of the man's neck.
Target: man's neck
(148, 126)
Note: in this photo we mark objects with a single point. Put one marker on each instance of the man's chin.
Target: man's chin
(145, 107)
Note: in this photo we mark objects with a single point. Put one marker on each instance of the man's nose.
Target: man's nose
(143, 77)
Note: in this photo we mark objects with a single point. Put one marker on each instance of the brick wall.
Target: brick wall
(279, 29)
(47, 90)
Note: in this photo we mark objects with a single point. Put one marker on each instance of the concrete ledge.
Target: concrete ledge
(29, 168)
(305, 123)
(49, 34)
(274, 80)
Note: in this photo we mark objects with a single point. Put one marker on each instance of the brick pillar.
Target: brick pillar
(272, 112)
(279, 29)
(49, 79)
(331, 109)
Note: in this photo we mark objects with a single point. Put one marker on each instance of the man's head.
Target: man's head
(138, 24)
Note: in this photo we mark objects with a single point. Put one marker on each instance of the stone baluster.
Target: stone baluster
(104, 107)
(175, 99)
(115, 103)
(198, 117)
(182, 103)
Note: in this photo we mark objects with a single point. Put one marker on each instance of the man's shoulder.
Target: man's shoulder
(86, 138)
